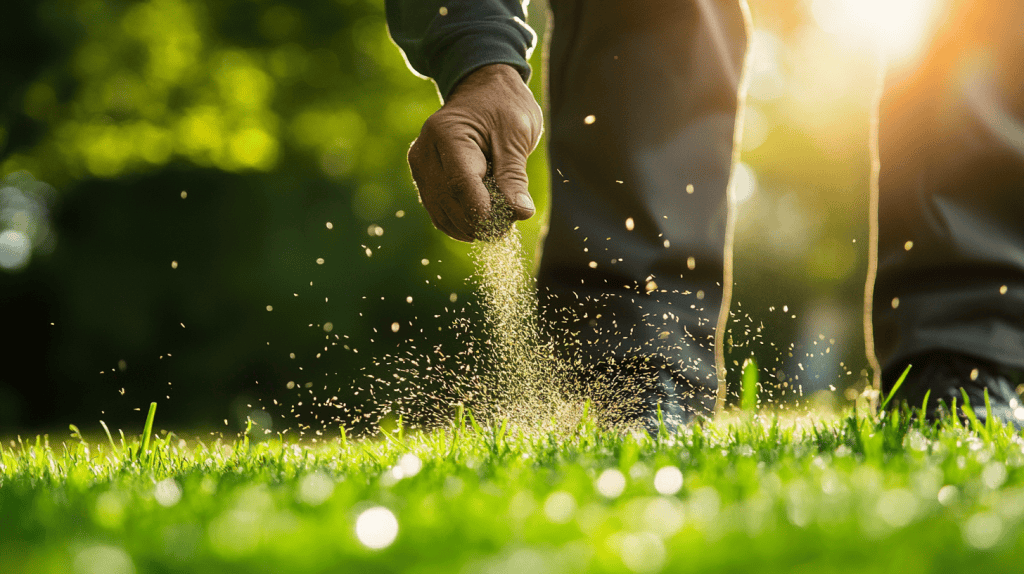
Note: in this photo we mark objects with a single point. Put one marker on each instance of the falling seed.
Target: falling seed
(629, 224)
(589, 119)
(270, 307)
(291, 355)
(974, 374)
(691, 263)
(328, 327)
(400, 213)
(424, 262)
(700, 295)
(290, 385)
(651, 286)
(895, 302)
(443, 10)
(908, 245)
(453, 297)
(1002, 290)
(330, 225)
(395, 327)
(319, 260)
(408, 299)
(184, 194)
(174, 264)
(369, 252)
(689, 188)
(666, 243)
(593, 264)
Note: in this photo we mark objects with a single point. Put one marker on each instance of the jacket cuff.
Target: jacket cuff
(458, 55)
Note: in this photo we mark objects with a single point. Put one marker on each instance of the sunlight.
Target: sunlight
(898, 27)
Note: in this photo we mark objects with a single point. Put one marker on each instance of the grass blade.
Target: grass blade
(896, 386)
(147, 431)
(748, 401)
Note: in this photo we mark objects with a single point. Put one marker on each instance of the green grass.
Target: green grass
(859, 493)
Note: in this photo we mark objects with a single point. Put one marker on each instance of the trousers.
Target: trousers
(643, 100)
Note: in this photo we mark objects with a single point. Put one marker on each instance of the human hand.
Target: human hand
(491, 117)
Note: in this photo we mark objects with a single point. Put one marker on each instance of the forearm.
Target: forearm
(445, 40)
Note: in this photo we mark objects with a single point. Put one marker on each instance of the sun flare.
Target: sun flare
(898, 28)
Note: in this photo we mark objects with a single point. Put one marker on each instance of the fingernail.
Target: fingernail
(524, 200)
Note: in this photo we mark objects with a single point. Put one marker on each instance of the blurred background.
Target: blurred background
(207, 204)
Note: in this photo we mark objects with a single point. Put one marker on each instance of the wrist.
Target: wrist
(489, 76)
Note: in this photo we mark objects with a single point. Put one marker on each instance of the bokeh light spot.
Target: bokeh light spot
(377, 528)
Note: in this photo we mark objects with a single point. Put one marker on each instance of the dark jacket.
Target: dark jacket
(447, 39)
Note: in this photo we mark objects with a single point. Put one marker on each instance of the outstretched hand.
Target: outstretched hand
(490, 117)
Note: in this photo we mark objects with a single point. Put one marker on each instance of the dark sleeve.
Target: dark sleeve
(447, 39)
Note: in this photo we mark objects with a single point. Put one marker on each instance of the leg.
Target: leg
(635, 246)
(951, 202)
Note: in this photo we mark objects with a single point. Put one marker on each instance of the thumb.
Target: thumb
(513, 184)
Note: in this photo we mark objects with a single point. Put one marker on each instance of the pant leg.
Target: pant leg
(951, 200)
(642, 100)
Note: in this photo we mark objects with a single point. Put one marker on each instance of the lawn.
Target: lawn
(764, 493)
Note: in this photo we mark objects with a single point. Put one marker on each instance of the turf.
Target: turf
(859, 493)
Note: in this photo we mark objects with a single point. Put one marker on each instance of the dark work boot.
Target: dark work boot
(945, 373)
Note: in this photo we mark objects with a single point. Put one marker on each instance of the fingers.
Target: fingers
(429, 177)
(449, 177)
(466, 201)
(510, 176)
